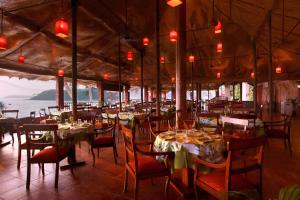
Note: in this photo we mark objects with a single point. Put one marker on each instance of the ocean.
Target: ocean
(25, 106)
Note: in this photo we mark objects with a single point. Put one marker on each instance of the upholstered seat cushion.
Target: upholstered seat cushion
(149, 165)
(49, 155)
(104, 140)
(216, 180)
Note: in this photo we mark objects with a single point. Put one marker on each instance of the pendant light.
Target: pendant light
(61, 73)
(278, 69)
(61, 26)
(146, 41)
(130, 55)
(218, 28)
(252, 75)
(173, 36)
(173, 79)
(162, 59)
(191, 58)
(3, 41)
(218, 75)
(174, 3)
(219, 47)
(21, 58)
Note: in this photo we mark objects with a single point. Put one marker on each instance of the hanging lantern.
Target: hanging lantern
(136, 79)
(191, 58)
(218, 28)
(174, 3)
(173, 36)
(105, 76)
(130, 55)
(60, 73)
(252, 75)
(218, 75)
(3, 42)
(21, 59)
(61, 28)
(219, 47)
(146, 41)
(162, 59)
(173, 79)
(278, 69)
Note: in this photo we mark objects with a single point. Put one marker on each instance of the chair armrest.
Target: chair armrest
(210, 165)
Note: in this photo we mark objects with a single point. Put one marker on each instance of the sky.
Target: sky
(16, 86)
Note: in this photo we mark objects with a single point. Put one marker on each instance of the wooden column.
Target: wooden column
(181, 63)
(74, 59)
(163, 95)
(119, 74)
(270, 68)
(157, 31)
(173, 93)
(142, 76)
(60, 92)
(126, 94)
(255, 76)
(233, 91)
(241, 91)
(200, 96)
(100, 93)
(146, 94)
(192, 95)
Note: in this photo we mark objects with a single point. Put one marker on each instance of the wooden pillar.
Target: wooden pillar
(100, 93)
(241, 91)
(74, 59)
(119, 73)
(181, 63)
(126, 94)
(142, 77)
(200, 96)
(157, 31)
(60, 92)
(173, 93)
(233, 91)
(163, 95)
(146, 94)
(192, 95)
(255, 76)
(270, 71)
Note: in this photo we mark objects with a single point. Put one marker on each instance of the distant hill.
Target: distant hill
(82, 95)
(18, 96)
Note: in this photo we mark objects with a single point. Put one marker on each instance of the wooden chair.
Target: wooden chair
(43, 114)
(105, 138)
(157, 125)
(244, 156)
(32, 114)
(141, 164)
(280, 130)
(52, 108)
(12, 127)
(54, 154)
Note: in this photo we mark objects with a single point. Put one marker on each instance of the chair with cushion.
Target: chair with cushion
(103, 139)
(142, 164)
(280, 130)
(157, 125)
(54, 153)
(243, 156)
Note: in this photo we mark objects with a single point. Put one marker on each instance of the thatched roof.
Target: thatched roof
(29, 24)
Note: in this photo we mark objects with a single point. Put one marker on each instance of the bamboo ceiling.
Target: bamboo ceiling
(29, 24)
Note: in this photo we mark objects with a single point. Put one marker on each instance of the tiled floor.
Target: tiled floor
(105, 180)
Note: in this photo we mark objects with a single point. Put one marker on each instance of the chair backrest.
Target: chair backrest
(161, 123)
(32, 114)
(42, 112)
(52, 108)
(129, 145)
(11, 113)
(29, 129)
(247, 153)
(234, 121)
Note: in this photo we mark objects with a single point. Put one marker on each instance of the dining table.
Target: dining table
(187, 144)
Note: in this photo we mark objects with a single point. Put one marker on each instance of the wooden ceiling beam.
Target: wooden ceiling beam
(31, 25)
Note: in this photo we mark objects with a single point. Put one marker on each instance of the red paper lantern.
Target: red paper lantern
(191, 58)
(278, 69)
(21, 59)
(173, 36)
(218, 28)
(60, 73)
(3, 42)
(218, 75)
(252, 75)
(105, 76)
(136, 79)
(162, 59)
(174, 3)
(173, 79)
(146, 41)
(219, 47)
(61, 28)
(130, 55)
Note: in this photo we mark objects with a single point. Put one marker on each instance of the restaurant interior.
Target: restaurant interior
(217, 111)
